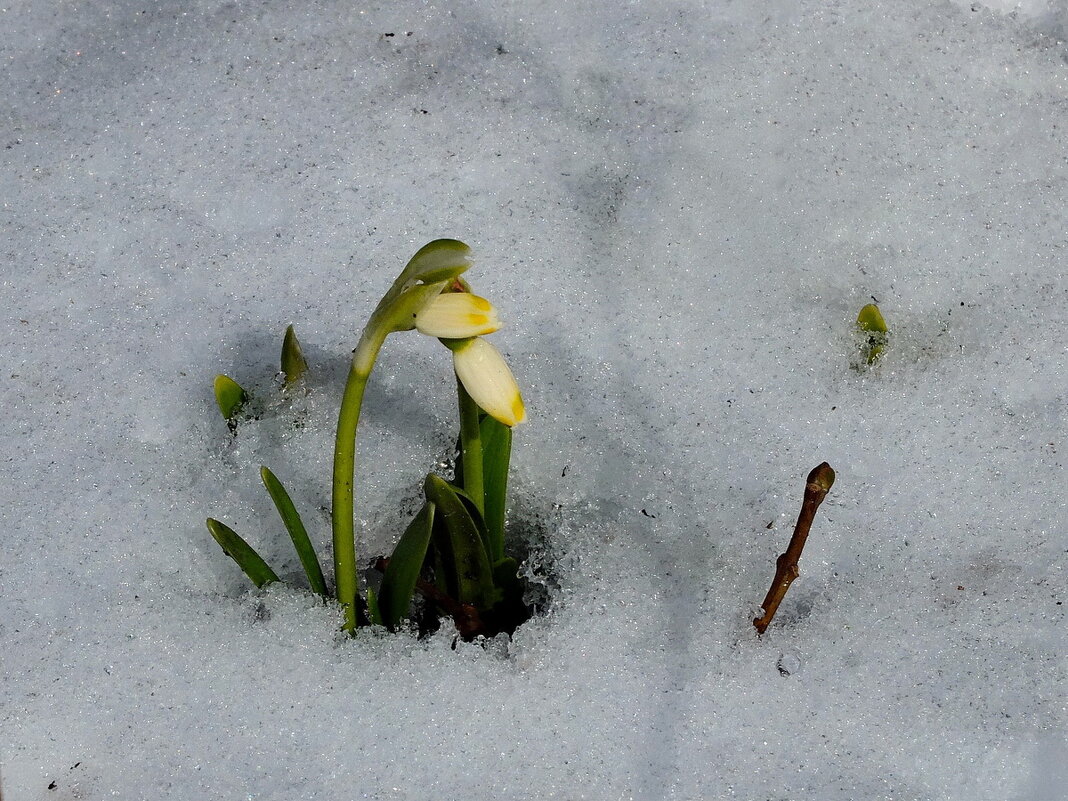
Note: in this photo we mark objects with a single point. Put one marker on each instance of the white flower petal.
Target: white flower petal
(489, 382)
(457, 315)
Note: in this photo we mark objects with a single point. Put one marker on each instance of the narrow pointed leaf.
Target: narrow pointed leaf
(241, 552)
(229, 396)
(405, 564)
(476, 515)
(474, 579)
(496, 457)
(294, 365)
(295, 526)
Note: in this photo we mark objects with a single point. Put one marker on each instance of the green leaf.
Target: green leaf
(229, 396)
(496, 456)
(440, 260)
(463, 542)
(441, 562)
(405, 564)
(473, 510)
(294, 365)
(295, 526)
(870, 320)
(241, 552)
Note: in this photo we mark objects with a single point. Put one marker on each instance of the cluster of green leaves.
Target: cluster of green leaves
(231, 399)
(459, 543)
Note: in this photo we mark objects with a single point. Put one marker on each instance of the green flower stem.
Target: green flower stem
(423, 279)
(342, 507)
(471, 447)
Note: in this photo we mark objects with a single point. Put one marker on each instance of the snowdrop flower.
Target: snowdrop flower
(487, 379)
(457, 315)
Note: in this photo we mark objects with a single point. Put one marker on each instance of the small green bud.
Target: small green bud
(870, 320)
(294, 365)
(229, 396)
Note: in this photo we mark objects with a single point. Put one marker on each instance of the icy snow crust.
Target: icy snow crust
(679, 209)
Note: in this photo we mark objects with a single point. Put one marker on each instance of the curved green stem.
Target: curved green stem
(425, 276)
(342, 506)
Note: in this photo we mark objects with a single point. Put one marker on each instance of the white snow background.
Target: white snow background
(679, 209)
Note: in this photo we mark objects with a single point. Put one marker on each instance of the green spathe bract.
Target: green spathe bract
(440, 260)
(452, 552)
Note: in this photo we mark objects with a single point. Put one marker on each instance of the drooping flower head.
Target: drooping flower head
(487, 379)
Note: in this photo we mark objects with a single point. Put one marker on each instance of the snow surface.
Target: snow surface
(679, 209)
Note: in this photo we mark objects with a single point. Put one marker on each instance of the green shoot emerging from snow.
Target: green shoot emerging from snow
(452, 552)
(871, 322)
(229, 397)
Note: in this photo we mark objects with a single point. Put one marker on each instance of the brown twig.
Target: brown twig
(816, 489)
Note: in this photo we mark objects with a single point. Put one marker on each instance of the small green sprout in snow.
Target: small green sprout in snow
(870, 320)
(229, 397)
(294, 365)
